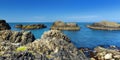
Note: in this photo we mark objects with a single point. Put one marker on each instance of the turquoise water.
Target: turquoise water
(84, 38)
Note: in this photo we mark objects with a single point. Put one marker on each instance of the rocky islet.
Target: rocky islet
(105, 25)
(30, 27)
(59, 25)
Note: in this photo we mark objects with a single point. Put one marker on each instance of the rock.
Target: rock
(106, 54)
(59, 25)
(22, 37)
(56, 46)
(30, 27)
(4, 25)
(105, 25)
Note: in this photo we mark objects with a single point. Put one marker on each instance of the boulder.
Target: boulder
(106, 54)
(30, 27)
(59, 25)
(105, 25)
(4, 25)
(22, 37)
(56, 46)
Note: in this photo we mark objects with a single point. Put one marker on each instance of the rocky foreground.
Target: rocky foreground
(4, 25)
(53, 45)
(22, 37)
(59, 25)
(105, 25)
(101, 53)
(30, 27)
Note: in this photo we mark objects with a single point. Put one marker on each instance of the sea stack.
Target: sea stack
(4, 25)
(59, 25)
(105, 25)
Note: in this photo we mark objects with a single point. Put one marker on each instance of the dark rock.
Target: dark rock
(4, 25)
(30, 27)
(59, 25)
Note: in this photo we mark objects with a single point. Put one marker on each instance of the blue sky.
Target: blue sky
(65, 10)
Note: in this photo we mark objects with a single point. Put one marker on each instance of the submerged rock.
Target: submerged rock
(22, 37)
(59, 25)
(4, 25)
(30, 27)
(105, 25)
(56, 46)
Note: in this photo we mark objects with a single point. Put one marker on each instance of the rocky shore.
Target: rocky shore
(22, 37)
(101, 53)
(59, 25)
(53, 45)
(105, 25)
(30, 27)
(4, 25)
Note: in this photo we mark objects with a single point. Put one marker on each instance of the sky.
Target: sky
(64, 10)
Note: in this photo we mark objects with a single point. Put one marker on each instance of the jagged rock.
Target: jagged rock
(22, 37)
(4, 25)
(30, 27)
(59, 25)
(105, 25)
(106, 54)
(56, 47)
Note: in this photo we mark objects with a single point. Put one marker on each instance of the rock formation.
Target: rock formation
(4, 25)
(59, 25)
(22, 37)
(30, 27)
(53, 45)
(106, 54)
(105, 25)
(56, 46)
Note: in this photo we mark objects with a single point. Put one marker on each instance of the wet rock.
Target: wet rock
(4, 25)
(22, 37)
(59, 25)
(30, 27)
(56, 47)
(105, 25)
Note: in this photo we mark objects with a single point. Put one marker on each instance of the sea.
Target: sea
(85, 37)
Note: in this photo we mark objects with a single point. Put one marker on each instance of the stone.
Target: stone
(55, 47)
(105, 25)
(4, 25)
(23, 37)
(30, 27)
(108, 56)
(59, 25)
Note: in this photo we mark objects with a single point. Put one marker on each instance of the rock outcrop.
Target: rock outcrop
(30, 27)
(4, 25)
(106, 54)
(59, 25)
(105, 25)
(55, 46)
(22, 37)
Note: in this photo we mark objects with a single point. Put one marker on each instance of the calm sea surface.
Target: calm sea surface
(84, 38)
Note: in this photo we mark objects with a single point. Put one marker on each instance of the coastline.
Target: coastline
(89, 52)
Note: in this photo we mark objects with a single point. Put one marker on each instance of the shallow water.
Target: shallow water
(84, 38)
